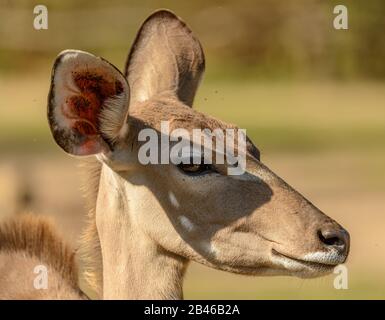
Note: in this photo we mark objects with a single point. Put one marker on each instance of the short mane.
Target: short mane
(90, 250)
(36, 237)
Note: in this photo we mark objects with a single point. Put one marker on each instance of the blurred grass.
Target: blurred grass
(266, 38)
(301, 116)
(274, 67)
(279, 117)
(325, 138)
(259, 41)
(204, 283)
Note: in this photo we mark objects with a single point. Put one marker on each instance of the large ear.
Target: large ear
(165, 56)
(87, 102)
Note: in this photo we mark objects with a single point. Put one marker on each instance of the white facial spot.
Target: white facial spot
(186, 223)
(209, 248)
(174, 201)
(142, 95)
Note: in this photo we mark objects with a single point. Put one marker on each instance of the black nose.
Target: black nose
(336, 237)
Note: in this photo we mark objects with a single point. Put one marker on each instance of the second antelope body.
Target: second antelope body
(148, 221)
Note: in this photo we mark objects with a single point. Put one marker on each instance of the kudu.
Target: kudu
(149, 221)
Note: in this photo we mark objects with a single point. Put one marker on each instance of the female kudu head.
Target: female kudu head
(252, 223)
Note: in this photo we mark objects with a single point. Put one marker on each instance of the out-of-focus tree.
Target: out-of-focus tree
(259, 38)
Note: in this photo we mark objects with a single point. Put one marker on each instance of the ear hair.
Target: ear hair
(113, 118)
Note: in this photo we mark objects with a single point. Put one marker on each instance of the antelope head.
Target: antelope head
(152, 218)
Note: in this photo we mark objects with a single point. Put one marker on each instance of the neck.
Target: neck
(134, 266)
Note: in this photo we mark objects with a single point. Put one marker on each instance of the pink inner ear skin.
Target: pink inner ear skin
(84, 128)
(90, 146)
(84, 109)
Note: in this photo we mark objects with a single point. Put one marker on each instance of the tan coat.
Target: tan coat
(29, 246)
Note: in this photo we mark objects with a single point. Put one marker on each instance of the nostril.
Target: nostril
(331, 237)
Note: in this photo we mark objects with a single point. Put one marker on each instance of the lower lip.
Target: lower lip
(312, 264)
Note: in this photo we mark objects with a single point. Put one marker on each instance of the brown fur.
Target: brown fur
(32, 240)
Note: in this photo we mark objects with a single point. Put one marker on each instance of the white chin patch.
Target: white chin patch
(331, 257)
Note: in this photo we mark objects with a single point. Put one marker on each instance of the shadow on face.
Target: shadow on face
(253, 223)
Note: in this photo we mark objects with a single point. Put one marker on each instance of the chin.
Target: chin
(299, 269)
(312, 273)
(303, 268)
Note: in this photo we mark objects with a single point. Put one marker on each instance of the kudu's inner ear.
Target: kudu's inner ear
(88, 100)
(165, 56)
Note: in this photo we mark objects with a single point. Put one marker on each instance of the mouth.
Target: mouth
(311, 268)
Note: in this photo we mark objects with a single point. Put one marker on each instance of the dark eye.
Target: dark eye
(195, 169)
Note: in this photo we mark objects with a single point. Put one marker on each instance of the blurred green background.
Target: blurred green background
(311, 97)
